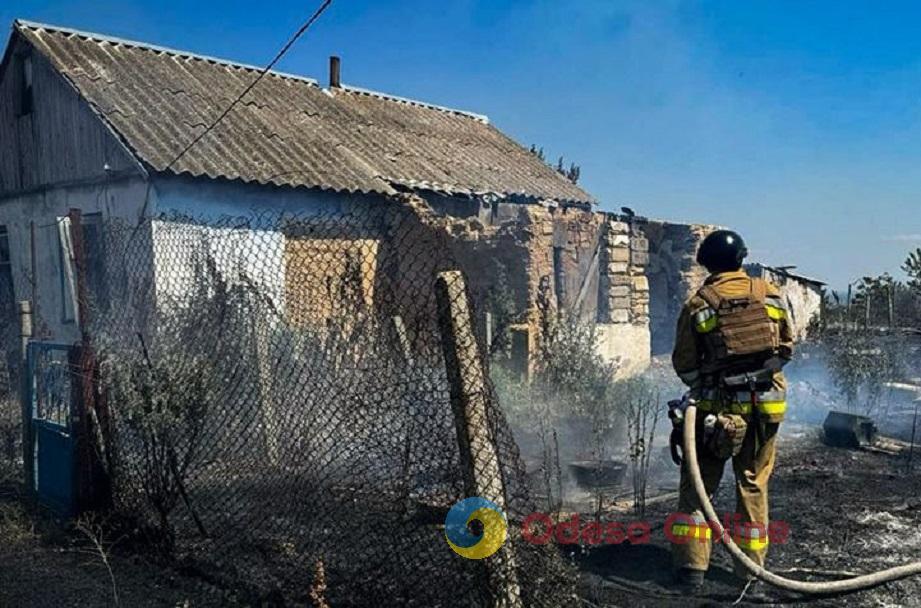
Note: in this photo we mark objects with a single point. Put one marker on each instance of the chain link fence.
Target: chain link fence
(10, 403)
(279, 411)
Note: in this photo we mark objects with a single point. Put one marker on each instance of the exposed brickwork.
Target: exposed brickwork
(624, 294)
(597, 266)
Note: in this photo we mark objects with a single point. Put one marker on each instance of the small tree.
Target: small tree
(576, 378)
(639, 403)
(570, 384)
(161, 388)
(861, 363)
(874, 301)
(908, 303)
(163, 400)
(569, 363)
(912, 267)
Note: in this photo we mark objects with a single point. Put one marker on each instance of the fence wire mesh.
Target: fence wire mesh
(279, 405)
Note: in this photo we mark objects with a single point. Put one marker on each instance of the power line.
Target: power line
(300, 32)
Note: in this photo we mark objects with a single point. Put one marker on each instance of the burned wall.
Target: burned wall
(528, 264)
(553, 259)
(673, 275)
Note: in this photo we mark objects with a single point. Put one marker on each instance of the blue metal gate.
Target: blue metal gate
(50, 392)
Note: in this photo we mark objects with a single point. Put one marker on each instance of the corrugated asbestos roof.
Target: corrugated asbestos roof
(288, 130)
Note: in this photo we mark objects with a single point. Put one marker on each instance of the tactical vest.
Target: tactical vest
(738, 333)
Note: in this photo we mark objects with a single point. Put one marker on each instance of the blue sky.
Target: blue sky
(799, 124)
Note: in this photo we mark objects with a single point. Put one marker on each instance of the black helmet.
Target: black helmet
(722, 251)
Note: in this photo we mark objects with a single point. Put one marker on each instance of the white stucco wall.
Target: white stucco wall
(241, 256)
(804, 303)
(626, 344)
(230, 224)
(251, 254)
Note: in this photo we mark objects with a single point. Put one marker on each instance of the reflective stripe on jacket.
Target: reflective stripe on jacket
(770, 403)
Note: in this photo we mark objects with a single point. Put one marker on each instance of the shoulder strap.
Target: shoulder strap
(759, 290)
(710, 296)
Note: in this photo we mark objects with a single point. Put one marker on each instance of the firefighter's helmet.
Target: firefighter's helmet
(722, 251)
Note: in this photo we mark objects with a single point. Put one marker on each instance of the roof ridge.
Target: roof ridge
(415, 102)
(24, 23)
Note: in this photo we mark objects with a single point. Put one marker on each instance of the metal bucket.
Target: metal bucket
(598, 473)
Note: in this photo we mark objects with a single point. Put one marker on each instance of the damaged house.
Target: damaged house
(100, 124)
(115, 129)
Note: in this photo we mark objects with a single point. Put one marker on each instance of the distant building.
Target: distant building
(803, 295)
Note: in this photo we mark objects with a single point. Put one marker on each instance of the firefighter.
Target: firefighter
(733, 338)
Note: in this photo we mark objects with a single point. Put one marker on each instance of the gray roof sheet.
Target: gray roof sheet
(288, 131)
(786, 271)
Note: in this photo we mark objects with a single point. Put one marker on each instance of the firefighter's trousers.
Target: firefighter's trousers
(691, 536)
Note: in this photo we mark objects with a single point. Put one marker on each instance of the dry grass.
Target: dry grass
(16, 527)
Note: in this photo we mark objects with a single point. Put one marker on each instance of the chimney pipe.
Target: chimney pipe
(335, 81)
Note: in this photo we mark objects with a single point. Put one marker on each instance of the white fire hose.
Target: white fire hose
(864, 581)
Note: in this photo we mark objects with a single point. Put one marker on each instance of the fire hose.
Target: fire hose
(857, 583)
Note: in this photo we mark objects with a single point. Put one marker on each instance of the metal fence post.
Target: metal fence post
(469, 400)
(25, 333)
(262, 355)
(402, 340)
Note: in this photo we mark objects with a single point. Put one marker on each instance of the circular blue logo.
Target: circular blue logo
(465, 542)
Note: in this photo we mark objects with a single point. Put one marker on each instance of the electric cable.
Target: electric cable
(281, 53)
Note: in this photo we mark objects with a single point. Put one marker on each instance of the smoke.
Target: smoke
(882, 376)
(581, 457)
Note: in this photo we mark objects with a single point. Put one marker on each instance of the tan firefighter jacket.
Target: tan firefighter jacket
(697, 318)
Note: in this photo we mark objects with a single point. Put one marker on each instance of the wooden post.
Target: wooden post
(890, 299)
(404, 351)
(469, 400)
(90, 419)
(25, 333)
(847, 310)
(83, 295)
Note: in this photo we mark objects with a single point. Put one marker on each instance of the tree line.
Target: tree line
(880, 301)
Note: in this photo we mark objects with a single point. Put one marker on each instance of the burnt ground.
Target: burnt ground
(43, 563)
(848, 511)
